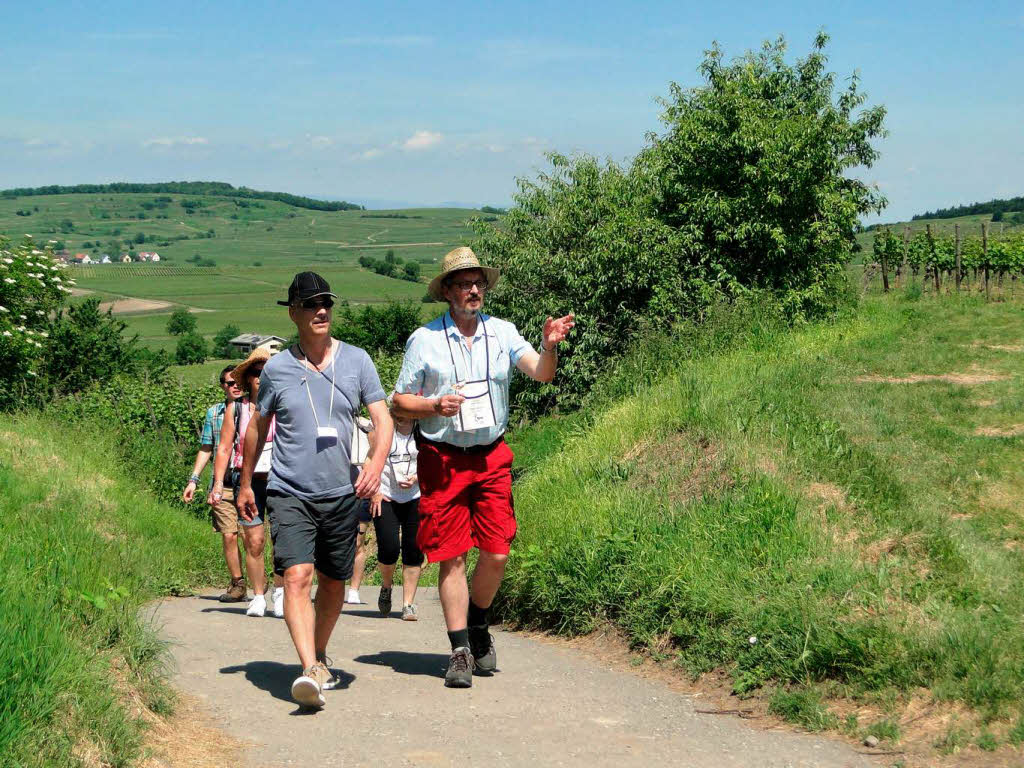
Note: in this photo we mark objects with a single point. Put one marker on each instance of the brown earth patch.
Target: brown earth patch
(985, 403)
(1003, 496)
(999, 347)
(81, 291)
(128, 306)
(186, 740)
(682, 465)
(1011, 431)
(963, 379)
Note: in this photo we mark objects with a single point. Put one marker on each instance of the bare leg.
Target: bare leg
(454, 592)
(329, 595)
(360, 561)
(487, 575)
(298, 611)
(230, 543)
(387, 574)
(410, 580)
(254, 540)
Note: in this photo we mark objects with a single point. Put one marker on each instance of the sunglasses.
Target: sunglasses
(230, 383)
(315, 304)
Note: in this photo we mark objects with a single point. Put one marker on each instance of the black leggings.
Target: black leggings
(395, 516)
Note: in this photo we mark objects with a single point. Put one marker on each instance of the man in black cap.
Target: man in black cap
(314, 390)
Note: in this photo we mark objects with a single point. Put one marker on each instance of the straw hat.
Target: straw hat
(258, 355)
(456, 260)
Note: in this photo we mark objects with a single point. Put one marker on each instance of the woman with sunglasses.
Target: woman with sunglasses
(236, 420)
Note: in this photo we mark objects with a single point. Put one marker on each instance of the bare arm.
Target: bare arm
(418, 407)
(368, 482)
(541, 365)
(252, 445)
(220, 461)
(202, 458)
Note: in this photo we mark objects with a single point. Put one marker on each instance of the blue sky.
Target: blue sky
(426, 103)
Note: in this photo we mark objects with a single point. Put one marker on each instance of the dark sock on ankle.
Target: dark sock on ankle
(459, 638)
(477, 616)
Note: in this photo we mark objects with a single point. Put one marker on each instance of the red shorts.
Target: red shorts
(465, 502)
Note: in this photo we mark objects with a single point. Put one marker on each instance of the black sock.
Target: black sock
(459, 638)
(477, 616)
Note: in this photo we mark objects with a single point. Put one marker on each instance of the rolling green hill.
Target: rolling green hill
(253, 247)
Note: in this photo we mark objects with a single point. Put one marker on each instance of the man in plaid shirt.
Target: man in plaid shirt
(222, 514)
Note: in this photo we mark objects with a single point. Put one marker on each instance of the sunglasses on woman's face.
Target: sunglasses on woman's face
(315, 304)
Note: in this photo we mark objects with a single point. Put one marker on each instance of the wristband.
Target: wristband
(194, 479)
(546, 349)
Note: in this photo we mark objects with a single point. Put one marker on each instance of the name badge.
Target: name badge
(477, 411)
(327, 432)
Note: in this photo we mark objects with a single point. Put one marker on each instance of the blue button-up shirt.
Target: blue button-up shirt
(427, 370)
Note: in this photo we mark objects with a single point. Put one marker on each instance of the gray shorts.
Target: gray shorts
(319, 532)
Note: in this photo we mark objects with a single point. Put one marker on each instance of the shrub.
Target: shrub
(377, 329)
(745, 190)
(192, 349)
(181, 322)
(31, 290)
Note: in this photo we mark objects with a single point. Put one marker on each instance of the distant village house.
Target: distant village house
(247, 342)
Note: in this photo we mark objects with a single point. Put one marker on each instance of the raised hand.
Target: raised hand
(555, 331)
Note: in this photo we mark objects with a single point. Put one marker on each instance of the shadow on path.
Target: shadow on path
(276, 678)
(429, 664)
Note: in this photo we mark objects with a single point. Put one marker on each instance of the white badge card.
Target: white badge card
(327, 433)
(476, 411)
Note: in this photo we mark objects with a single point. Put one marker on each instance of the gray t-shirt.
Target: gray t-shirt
(305, 465)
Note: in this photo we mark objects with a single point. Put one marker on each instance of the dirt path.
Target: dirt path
(547, 705)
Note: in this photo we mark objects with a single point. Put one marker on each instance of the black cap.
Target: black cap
(306, 285)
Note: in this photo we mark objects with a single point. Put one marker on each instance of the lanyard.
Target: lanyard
(408, 455)
(487, 351)
(330, 408)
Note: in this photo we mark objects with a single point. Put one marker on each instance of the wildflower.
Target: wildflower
(31, 373)
(9, 280)
(752, 639)
(7, 333)
(8, 261)
(4, 309)
(44, 334)
(36, 252)
(40, 312)
(21, 329)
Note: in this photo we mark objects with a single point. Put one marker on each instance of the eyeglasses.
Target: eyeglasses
(315, 304)
(229, 383)
(465, 285)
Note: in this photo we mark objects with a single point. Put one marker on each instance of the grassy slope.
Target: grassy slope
(862, 532)
(81, 550)
(279, 238)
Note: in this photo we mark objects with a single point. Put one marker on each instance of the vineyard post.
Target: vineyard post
(956, 237)
(931, 256)
(885, 265)
(984, 254)
(906, 240)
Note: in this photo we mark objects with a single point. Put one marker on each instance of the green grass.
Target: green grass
(861, 532)
(81, 550)
(256, 253)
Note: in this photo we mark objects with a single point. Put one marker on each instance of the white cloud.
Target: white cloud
(166, 142)
(369, 154)
(422, 140)
(320, 142)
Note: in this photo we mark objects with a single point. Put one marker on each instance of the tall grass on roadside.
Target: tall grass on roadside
(81, 550)
(755, 507)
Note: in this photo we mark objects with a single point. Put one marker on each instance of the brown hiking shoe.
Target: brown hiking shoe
(308, 687)
(235, 593)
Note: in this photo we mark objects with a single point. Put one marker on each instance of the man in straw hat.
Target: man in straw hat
(314, 390)
(455, 380)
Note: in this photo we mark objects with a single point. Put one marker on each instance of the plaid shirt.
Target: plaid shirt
(212, 424)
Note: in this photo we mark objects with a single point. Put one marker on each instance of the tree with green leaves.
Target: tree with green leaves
(192, 349)
(181, 322)
(222, 341)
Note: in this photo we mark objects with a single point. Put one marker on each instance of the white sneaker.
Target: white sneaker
(307, 689)
(279, 602)
(257, 606)
(353, 597)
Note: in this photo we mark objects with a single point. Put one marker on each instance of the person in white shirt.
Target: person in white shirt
(396, 520)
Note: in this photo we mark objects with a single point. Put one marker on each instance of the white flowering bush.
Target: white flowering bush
(33, 289)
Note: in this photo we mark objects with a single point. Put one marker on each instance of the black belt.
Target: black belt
(466, 449)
